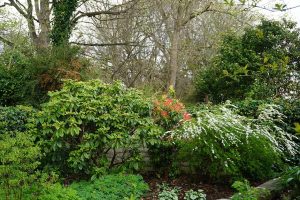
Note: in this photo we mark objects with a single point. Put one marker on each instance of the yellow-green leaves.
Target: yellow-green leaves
(84, 121)
(297, 128)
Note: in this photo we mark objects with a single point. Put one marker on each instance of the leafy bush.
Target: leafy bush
(26, 76)
(290, 179)
(85, 121)
(222, 144)
(18, 152)
(15, 118)
(112, 187)
(245, 191)
(290, 109)
(57, 192)
(15, 75)
(195, 195)
(261, 63)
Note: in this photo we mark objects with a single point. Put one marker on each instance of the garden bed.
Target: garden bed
(186, 183)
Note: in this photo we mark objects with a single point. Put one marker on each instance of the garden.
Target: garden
(78, 127)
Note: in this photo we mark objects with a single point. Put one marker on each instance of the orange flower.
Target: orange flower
(177, 107)
(164, 113)
(186, 116)
(168, 102)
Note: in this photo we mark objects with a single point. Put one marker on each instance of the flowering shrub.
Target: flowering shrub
(220, 143)
(169, 113)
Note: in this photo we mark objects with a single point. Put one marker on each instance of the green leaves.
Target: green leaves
(222, 144)
(245, 191)
(112, 187)
(280, 6)
(261, 63)
(19, 156)
(86, 120)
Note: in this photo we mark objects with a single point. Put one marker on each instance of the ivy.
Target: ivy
(63, 11)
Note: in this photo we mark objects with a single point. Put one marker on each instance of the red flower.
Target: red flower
(186, 116)
(177, 107)
(168, 102)
(164, 113)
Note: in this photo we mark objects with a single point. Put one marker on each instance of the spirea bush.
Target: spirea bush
(85, 121)
(222, 144)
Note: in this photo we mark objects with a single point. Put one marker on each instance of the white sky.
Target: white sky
(293, 14)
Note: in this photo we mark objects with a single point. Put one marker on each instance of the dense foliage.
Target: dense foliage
(261, 63)
(85, 122)
(112, 187)
(233, 145)
(18, 152)
(64, 135)
(289, 108)
(290, 180)
(245, 191)
(26, 77)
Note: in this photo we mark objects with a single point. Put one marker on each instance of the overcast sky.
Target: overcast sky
(293, 14)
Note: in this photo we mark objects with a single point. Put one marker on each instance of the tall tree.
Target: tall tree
(67, 14)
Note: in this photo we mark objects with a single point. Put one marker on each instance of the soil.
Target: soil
(185, 183)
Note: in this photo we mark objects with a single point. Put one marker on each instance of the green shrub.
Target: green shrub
(19, 156)
(57, 192)
(112, 187)
(85, 120)
(290, 180)
(15, 118)
(291, 116)
(222, 144)
(289, 108)
(19, 77)
(246, 192)
(261, 63)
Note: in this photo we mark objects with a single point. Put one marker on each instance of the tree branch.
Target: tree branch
(105, 44)
(197, 13)
(5, 4)
(9, 43)
(18, 8)
(111, 11)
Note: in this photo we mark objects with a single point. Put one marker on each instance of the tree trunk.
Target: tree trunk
(43, 14)
(174, 57)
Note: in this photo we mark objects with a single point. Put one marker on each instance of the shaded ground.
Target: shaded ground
(186, 183)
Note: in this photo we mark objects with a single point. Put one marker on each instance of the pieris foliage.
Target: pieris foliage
(221, 143)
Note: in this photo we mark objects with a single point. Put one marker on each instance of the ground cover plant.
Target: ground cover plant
(112, 187)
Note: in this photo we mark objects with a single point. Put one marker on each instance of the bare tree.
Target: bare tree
(39, 15)
(147, 37)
